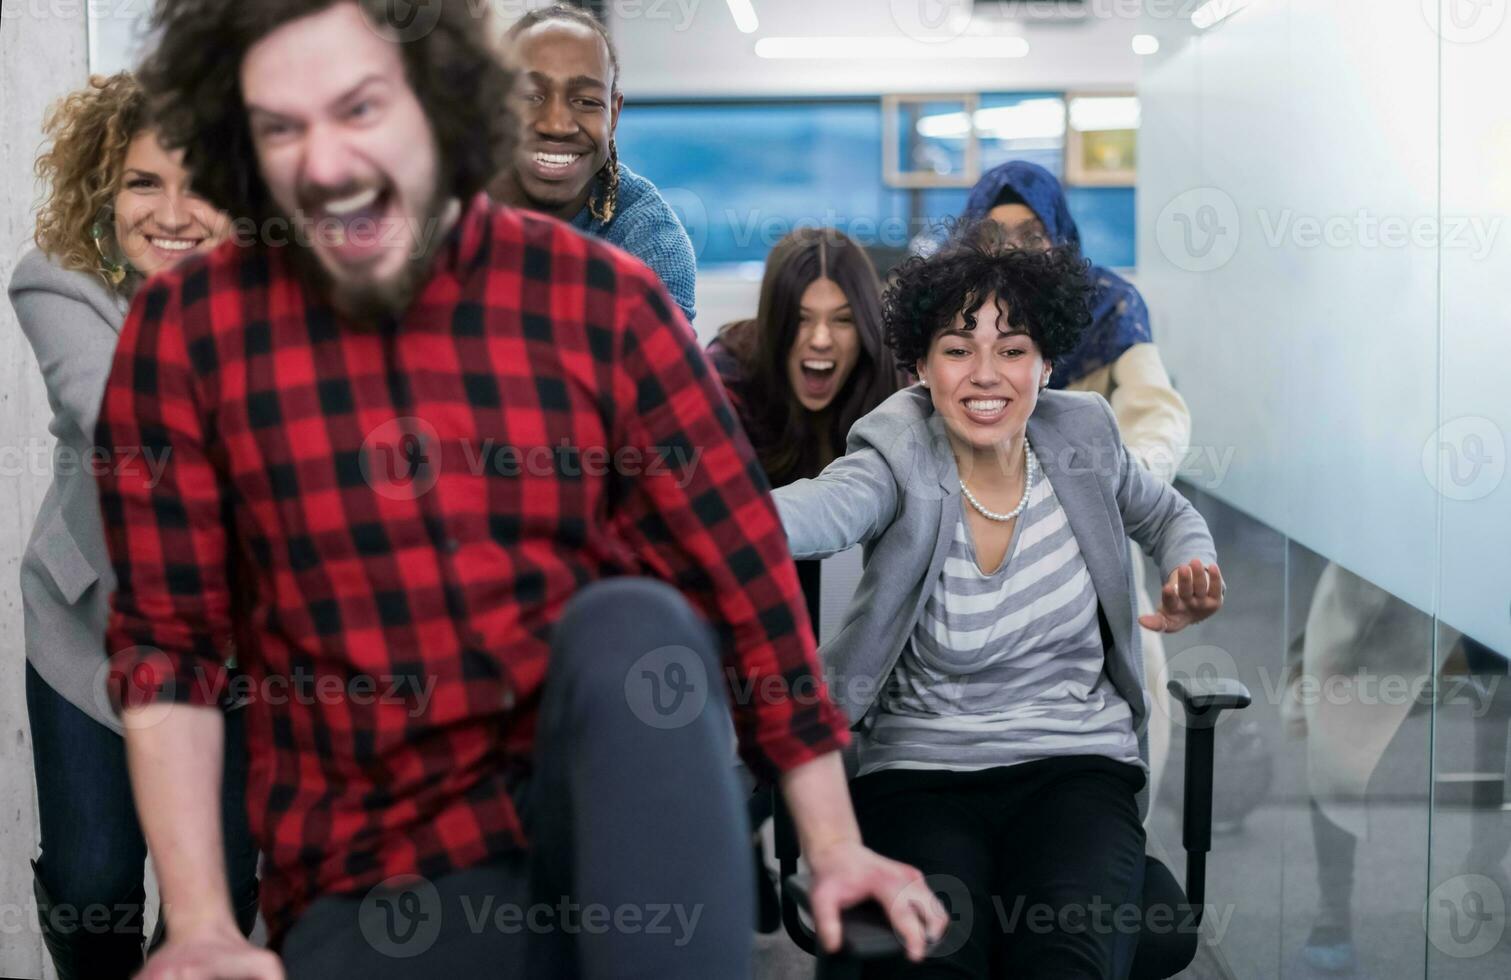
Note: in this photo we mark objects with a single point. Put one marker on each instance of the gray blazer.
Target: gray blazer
(897, 491)
(72, 320)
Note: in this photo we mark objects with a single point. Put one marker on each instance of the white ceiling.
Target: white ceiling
(692, 48)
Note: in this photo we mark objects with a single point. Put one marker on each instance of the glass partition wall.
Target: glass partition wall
(1323, 199)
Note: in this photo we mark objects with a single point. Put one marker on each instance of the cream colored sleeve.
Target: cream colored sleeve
(1153, 418)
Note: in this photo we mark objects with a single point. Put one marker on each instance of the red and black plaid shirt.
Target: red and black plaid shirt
(397, 514)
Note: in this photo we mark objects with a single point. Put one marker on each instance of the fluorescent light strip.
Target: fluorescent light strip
(744, 15)
(887, 48)
(1214, 12)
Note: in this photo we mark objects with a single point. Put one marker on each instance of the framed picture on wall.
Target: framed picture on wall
(930, 140)
(1101, 140)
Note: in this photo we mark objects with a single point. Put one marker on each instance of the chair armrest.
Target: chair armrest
(1204, 700)
(866, 932)
(1202, 694)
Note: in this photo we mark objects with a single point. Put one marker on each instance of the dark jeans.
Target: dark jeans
(640, 852)
(1041, 865)
(89, 877)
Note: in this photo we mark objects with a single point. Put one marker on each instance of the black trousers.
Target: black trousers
(1040, 865)
(639, 863)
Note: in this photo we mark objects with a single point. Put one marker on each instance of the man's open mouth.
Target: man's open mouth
(352, 225)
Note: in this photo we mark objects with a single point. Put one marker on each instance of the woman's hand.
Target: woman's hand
(1192, 593)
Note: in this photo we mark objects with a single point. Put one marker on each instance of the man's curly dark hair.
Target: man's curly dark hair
(1047, 293)
(193, 83)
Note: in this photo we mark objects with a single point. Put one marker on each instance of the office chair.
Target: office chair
(1160, 954)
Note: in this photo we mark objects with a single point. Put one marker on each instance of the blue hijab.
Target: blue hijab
(1119, 318)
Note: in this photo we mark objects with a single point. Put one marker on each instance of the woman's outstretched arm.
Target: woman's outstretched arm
(852, 501)
(1167, 527)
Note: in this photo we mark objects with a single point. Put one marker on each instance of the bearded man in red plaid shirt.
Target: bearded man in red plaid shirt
(459, 487)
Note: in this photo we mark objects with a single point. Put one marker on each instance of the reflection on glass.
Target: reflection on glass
(1370, 681)
(1470, 892)
(1356, 673)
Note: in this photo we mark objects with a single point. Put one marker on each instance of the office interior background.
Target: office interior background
(1313, 196)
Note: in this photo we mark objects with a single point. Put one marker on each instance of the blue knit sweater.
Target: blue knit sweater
(645, 226)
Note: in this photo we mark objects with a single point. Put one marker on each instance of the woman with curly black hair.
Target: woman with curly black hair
(1116, 357)
(990, 662)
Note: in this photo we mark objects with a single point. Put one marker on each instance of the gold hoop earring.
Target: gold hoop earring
(113, 271)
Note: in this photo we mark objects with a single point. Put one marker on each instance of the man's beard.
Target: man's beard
(364, 300)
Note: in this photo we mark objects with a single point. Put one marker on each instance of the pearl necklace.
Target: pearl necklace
(1028, 486)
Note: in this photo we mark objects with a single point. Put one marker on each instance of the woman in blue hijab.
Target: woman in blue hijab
(1117, 356)
(1117, 359)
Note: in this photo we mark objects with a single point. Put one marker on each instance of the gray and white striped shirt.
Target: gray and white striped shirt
(1007, 667)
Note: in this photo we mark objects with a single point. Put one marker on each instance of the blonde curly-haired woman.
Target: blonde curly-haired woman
(118, 208)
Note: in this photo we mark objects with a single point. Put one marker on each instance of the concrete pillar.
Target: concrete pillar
(44, 47)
